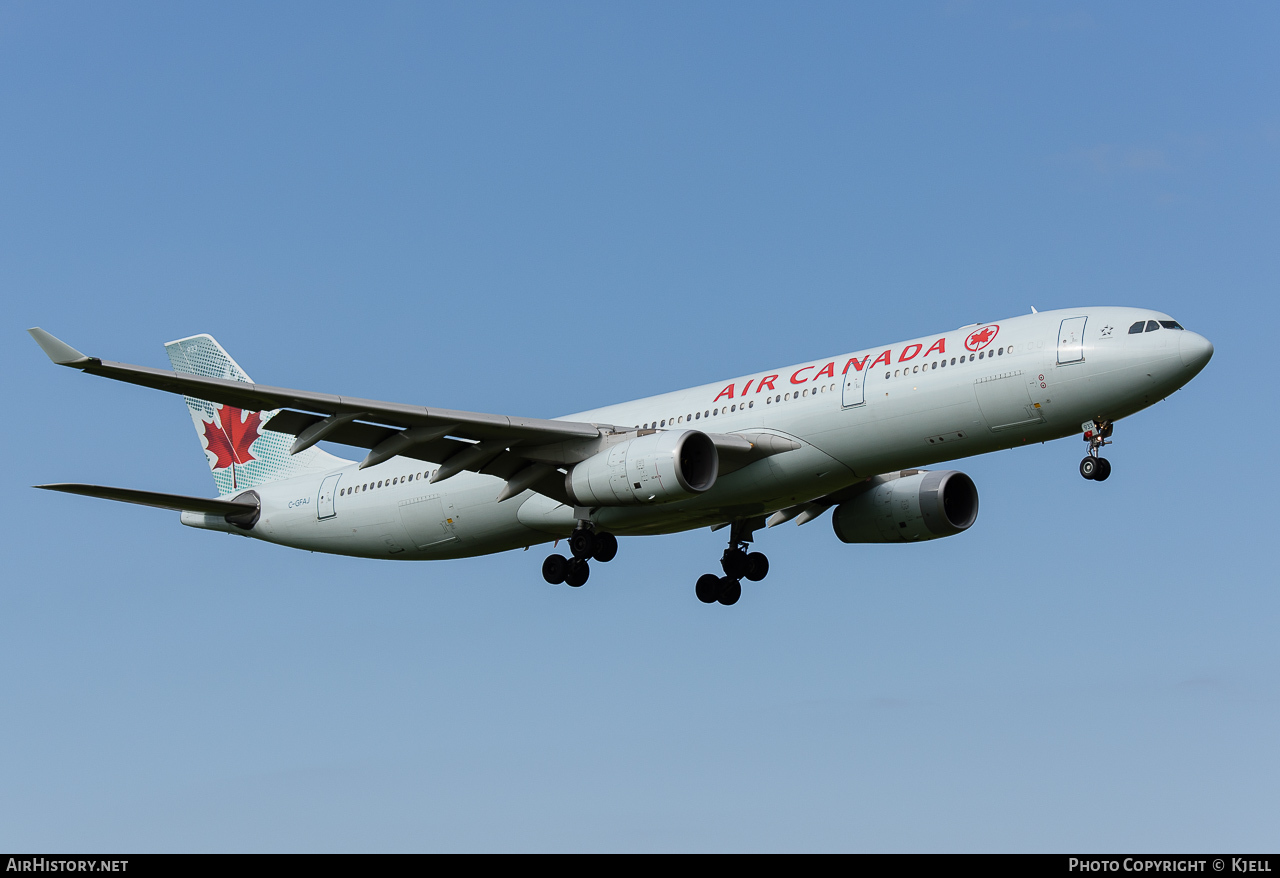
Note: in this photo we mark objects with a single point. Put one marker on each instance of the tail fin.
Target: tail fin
(240, 452)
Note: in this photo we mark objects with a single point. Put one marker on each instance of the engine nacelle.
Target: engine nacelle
(922, 506)
(656, 468)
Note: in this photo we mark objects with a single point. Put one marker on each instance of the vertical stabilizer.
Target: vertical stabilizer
(240, 452)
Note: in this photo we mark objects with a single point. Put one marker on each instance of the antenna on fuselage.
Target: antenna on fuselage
(1033, 310)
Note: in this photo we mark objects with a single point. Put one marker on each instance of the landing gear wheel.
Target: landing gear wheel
(606, 548)
(708, 588)
(553, 569)
(576, 572)
(730, 591)
(582, 543)
(757, 566)
(1098, 434)
(735, 564)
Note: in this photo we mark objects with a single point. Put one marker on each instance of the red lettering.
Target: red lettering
(883, 358)
(940, 346)
(797, 372)
(903, 356)
(829, 370)
(857, 364)
(747, 386)
(728, 391)
(766, 382)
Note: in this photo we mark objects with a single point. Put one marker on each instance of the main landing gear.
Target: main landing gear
(584, 544)
(738, 564)
(1096, 433)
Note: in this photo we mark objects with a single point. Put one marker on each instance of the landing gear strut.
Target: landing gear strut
(737, 564)
(584, 544)
(1097, 433)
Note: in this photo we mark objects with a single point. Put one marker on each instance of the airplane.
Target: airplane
(851, 434)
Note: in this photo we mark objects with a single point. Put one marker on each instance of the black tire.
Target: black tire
(734, 563)
(553, 569)
(606, 548)
(757, 566)
(730, 591)
(576, 573)
(1089, 468)
(1103, 471)
(708, 588)
(582, 544)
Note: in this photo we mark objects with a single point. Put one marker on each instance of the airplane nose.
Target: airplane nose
(1195, 350)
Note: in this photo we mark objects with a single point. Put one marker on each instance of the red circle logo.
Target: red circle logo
(980, 338)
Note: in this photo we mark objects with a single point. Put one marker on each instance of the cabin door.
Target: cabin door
(324, 502)
(1071, 341)
(855, 390)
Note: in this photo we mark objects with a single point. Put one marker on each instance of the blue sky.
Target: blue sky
(537, 209)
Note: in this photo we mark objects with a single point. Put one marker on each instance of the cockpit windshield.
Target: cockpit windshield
(1153, 325)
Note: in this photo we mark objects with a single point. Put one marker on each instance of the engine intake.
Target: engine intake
(907, 509)
(657, 468)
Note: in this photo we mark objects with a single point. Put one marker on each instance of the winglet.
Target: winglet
(59, 351)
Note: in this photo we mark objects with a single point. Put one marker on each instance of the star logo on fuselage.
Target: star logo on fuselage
(1106, 331)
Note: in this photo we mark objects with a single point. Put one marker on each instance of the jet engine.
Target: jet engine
(656, 468)
(906, 509)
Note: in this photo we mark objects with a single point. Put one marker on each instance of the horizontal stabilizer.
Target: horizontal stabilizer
(179, 502)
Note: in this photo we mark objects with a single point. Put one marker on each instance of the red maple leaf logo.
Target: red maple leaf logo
(980, 338)
(230, 442)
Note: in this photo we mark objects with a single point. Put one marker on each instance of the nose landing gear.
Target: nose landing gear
(584, 544)
(1097, 433)
(738, 564)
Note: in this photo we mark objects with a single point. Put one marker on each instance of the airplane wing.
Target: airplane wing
(388, 429)
(526, 452)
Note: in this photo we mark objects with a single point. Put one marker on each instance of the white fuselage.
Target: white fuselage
(898, 406)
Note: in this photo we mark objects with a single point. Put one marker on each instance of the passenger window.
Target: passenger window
(981, 354)
(1136, 328)
(751, 404)
(953, 361)
(935, 365)
(1000, 353)
(1152, 326)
